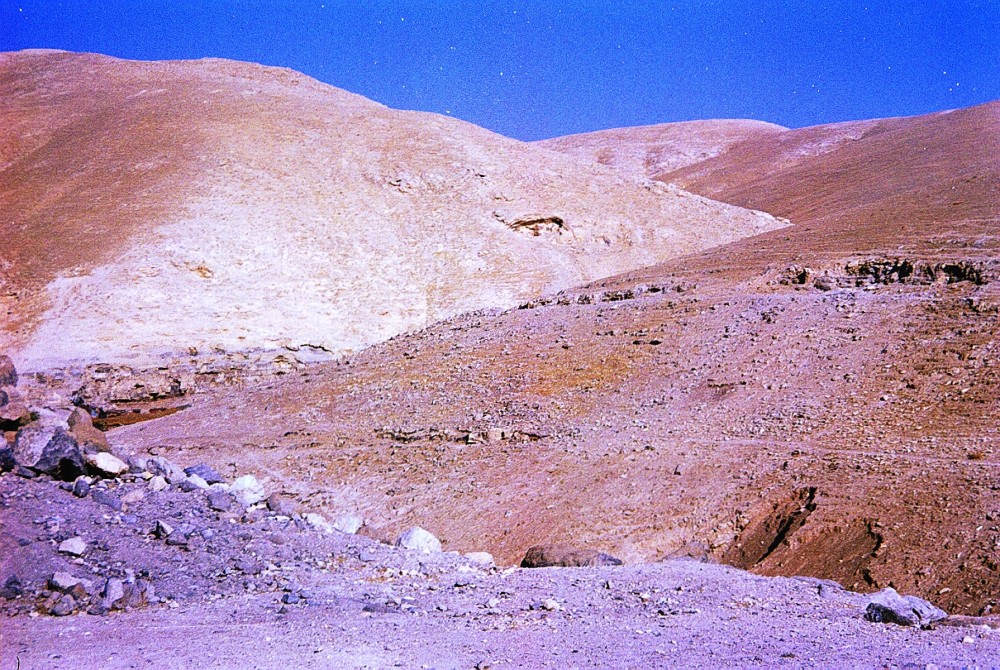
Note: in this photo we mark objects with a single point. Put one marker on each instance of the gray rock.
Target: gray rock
(419, 539)
(81, 487)
(63, 606)
(282, 505)
(170, 471)
(247, 490)
(163, 530)
(198, 482)
(25, 473)
(79, 417)
(106, 465)
(107, 498)
(11, 588)
(887, 606)
(158, 483)
(74, 546)
(205, 472)
(8, 373)
(63, 582)
(319, 522)
(563, 556)
(113, 594)
(49, 449)
(220, 501)
(7, 460)
(348, 523)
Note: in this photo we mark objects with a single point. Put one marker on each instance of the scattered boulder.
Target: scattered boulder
(113, 594)
(564, 556)
(206, 473)
(81, 487)
(319, 522)
(106, 465)
(49, 449)
(419, 539)
(282, 505)
(91, 439)
(12, 588)
(133, 496)
(887, 606)
(63, 582)
(8, 373)
(78, 417)
(14, 414)
(348, 523)
(158, 483)
(481, 557)
(74, 546)
(163, 530)
(7, 460)
(220, 501)
(247, 490)
(106, 498)
(60, 604)
(197, 481)
(170, 471)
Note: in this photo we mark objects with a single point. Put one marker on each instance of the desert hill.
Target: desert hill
(654, 150)
(815, 400)
(153, 208)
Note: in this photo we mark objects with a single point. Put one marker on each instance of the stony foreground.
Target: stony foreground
(252, 587)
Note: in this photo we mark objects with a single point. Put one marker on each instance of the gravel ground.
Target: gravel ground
(267, 590)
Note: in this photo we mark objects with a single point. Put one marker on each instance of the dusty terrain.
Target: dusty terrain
(839, 421)
(230, 206)
(818, 401)
(252, 588)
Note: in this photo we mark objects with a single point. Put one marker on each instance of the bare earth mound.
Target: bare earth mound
(155, 207)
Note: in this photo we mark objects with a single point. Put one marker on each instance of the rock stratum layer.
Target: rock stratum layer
(157, 207)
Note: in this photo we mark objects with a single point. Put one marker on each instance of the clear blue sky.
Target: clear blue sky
(539, 69)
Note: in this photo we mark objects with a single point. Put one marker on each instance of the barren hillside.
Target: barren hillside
(154, 208)
(654, 150)
(817, 400)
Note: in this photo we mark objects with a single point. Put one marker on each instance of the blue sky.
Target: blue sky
(540, 69)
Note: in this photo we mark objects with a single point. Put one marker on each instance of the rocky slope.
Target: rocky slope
(818, 400)
(158, 207)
